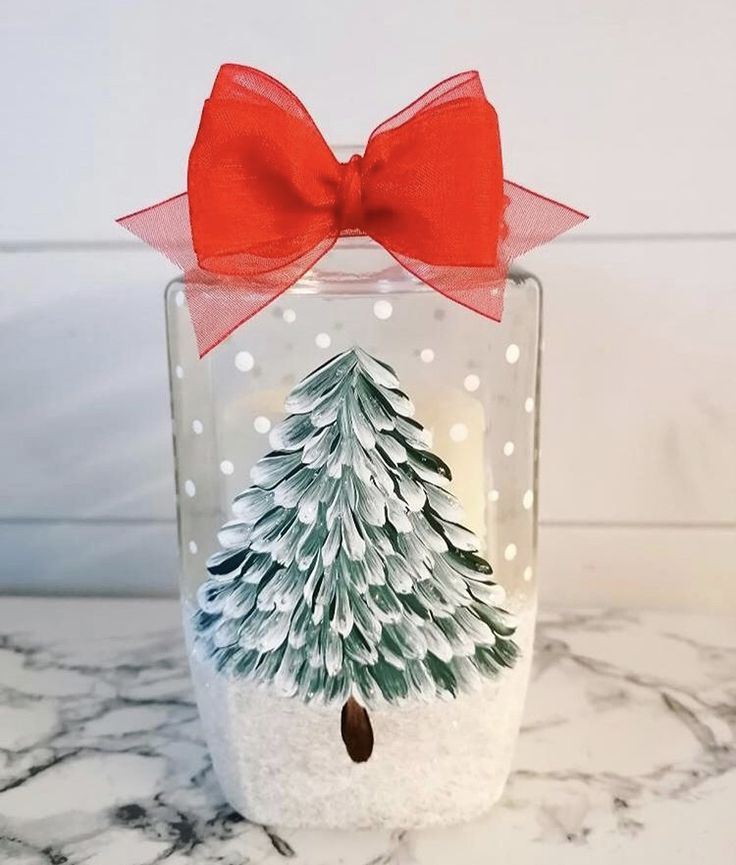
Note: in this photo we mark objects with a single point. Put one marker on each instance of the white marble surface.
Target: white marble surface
(626, 753)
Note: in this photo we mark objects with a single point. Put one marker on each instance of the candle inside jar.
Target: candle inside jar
(455, 423)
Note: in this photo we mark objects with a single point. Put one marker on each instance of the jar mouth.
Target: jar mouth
(357, 265)
(343, 152)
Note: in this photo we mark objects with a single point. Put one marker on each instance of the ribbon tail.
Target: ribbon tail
(476, 288)
(218, 304)
(165, 227)
(530, 220)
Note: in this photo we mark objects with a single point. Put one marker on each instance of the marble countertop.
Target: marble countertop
(626, 750)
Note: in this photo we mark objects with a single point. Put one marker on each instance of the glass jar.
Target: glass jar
(438, 754)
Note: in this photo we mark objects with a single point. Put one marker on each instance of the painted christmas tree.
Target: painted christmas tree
(348, 576)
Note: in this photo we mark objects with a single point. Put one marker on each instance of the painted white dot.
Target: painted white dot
(179, 371)
(261, 424)
(179, 298)
(244, 361)
(513, 353)
(427, 355)
(193, 548)
(289, 316)
(190, 489)
(226, 467)
(197, 427)
(528, 573)
(472, 382)
(510, 553)
(528, 499)
(493, 496)
(382, 309)
(508, 448)
(528, 405)
(458, 432)
(323, 340)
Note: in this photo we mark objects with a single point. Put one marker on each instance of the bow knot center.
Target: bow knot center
(350, 194)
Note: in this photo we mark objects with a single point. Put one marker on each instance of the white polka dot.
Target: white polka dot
(382, 309)
(289, 316)
(193, 547)
(493, 496)
(179, 298)
(529, 405)
(508, 448)
(527, 573)
(528, 499)
(190, 489)
(510, 553)
(197, 427)
(244, 361)
(513, 353)
(179, 371)
(471, 383)
(458, 432)
(323, 340)
(226, 467)
(261, 424)
(427, 355)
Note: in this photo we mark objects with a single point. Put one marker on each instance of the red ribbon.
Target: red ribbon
(267, 199)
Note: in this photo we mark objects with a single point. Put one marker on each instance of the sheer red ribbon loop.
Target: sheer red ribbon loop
(266, 199)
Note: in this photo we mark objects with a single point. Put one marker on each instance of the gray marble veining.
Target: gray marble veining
(627, 749)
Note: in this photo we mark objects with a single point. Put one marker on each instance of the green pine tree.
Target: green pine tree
(347, 575)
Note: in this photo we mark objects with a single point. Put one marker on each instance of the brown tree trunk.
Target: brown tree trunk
(357, 733)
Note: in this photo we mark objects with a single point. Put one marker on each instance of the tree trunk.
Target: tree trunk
(357, 733)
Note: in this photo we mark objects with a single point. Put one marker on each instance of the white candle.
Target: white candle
(455, 420)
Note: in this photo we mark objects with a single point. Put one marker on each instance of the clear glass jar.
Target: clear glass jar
(474, 384)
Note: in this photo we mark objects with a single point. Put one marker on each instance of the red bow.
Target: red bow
(267, 199)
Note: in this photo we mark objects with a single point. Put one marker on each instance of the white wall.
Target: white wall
(623, 108)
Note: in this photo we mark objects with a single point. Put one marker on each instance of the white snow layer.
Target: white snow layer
(280, 761)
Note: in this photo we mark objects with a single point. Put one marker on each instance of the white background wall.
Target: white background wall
(623, 108)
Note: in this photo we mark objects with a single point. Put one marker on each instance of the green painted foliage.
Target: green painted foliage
(347, 568)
